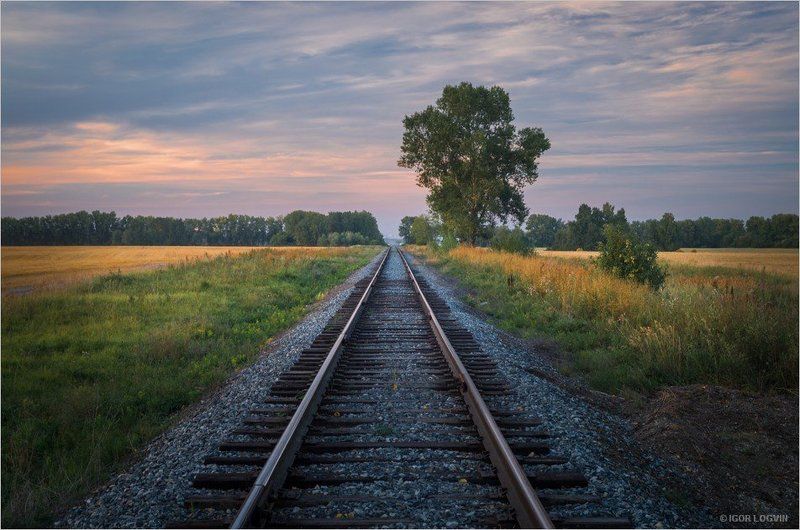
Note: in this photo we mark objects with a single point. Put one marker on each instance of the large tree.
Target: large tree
(472, 159)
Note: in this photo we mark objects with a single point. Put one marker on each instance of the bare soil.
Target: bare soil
(741, 447)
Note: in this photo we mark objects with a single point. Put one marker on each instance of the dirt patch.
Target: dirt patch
(742, 448)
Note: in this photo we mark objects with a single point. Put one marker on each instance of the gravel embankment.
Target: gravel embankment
(596, 442)
(151, 492)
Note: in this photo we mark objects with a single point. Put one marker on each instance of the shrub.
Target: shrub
(507, 240)
(449, 242)
(629, 258)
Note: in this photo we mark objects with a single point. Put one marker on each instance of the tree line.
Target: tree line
(587, 231)
(105, 228)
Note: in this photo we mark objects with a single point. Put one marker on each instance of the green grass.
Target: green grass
(91, 373)
(709, 325)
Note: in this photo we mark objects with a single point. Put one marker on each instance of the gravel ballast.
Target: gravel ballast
(151, 492)
(597, 442)
(412, 484)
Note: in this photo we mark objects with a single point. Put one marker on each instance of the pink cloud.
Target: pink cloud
(104, 152)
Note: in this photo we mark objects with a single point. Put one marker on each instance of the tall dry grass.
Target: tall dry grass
(738, 329)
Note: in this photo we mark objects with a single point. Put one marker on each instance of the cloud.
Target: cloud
(305, 101)
(104, 152)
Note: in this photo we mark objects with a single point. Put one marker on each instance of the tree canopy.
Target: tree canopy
(421, 231)
(305, 228)
(405, 228)
(472, 159)
(586, 231)
(542, 229)
(418, 230)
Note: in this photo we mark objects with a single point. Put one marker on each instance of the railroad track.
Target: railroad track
(393, 417)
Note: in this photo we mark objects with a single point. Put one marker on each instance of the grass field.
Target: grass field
(93, 371)
(732, 326)
(29, 268)
(772, 260)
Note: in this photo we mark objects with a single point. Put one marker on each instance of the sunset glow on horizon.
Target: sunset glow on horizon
(193, 110)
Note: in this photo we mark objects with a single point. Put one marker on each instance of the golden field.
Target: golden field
(25, 269)
(782, 261)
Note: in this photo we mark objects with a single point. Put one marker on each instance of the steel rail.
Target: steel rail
(528, 508)
(273, 474)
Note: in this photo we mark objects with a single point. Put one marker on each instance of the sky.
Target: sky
(200, 109)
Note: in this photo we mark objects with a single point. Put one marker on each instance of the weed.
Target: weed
(383, 430)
